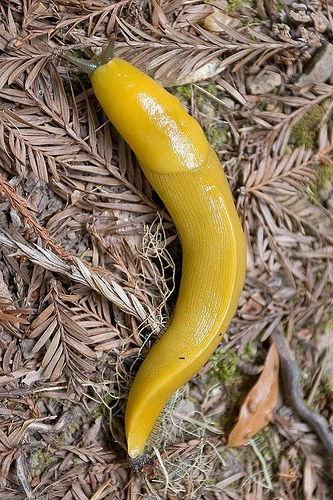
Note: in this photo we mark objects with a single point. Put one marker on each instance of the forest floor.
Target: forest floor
(90, 261)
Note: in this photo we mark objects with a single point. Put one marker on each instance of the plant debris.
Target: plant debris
(290, 376)
(90, 261)
(257, 409)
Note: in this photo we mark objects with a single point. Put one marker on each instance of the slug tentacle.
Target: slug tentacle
(108, 52)
(90, 65)
(87, 65)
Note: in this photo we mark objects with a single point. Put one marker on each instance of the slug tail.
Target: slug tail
(140, 462)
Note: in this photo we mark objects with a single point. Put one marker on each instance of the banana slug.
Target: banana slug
(181, 166)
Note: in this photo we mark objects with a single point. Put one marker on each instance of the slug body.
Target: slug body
(186, 173)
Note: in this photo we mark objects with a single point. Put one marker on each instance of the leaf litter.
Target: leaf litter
(89, 259)
(257, 409)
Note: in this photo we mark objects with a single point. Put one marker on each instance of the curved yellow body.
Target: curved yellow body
(186, 173)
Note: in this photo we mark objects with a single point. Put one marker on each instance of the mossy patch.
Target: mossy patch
(70, 434)
(40, 461)
(322, 183)
(324, 175)
(217, 136)
(262, 440)
(103, 409)
(212, 89)
(250, 352)
(225, 366)
(217, 132)
(235, 5)
(225, 363)
(183, 92)
(305, 131)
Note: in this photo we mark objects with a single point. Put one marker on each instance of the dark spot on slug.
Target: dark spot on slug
(182, 357)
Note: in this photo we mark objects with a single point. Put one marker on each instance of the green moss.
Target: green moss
(275, 91)
(324, 176)
(238, 4)
(305, 131)
(319, 275)
(262, 440)
(262, 105)
(217, 137)
(216, 133)
(225, 363)
(225, 366)
(212, 89)
(68, 435)
(279, 7)
(254, 38)
(325, 389)
(300, 351)
(235, 5)
(40, 461)
(325, 173)
(250, 352)
(103, 409)
(183, 91)
(295, 300)
(210, 481)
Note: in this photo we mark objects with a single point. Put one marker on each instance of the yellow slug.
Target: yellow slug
(185, 172)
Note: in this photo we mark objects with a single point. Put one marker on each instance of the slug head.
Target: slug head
(165, 139)
(90, 65)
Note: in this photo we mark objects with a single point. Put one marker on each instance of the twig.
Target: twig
(20, 205)
(262, 461)
(22, 469)
(316, 383)
(165, 472)
(293, 397)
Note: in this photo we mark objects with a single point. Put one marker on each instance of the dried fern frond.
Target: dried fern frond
(292, 169)
(81, 273)
(281, 187)
(30, 60)
(95, 288)
(68, 339)
(278, 138)
(169, 46)
(53, 144)
(9, 313)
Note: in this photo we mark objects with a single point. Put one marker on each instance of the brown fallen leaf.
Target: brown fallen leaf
(256, 411)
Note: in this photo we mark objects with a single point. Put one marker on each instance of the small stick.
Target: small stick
(293, 397)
